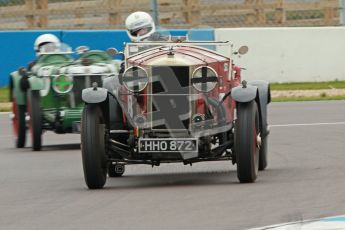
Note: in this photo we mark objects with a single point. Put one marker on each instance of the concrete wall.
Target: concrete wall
(290, 54)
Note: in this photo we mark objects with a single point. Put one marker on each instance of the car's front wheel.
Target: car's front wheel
(93, 146)
(247, 141)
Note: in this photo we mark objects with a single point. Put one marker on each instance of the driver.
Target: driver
(44, 39)
(140, 26)
(40, 41)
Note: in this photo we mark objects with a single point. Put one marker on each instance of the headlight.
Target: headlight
(135, 79)
(204, 79)
(62, 83)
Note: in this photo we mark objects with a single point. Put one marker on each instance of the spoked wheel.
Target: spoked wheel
(35, 124)
(247, 141)
(93, 146)
(18, 123)
(116, 170)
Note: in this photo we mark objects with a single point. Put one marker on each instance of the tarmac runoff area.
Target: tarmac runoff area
(304, 180)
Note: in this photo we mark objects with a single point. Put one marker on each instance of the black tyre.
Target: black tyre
(116, 170)
(18, 123)
(35, 124)
(246, 147)
(263, 154)
(93, 146)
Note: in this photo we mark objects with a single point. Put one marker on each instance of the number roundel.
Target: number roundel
(204, 79)
(135, 79)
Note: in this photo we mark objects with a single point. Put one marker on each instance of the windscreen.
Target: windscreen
(55, 48)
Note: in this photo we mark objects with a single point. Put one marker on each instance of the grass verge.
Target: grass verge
(312, 98)
(308, 85)
(4, 94)
(5, 107)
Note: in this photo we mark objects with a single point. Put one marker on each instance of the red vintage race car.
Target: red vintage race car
(175, 101)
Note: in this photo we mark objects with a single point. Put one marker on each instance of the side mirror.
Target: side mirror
(82, 49)
(243, 50)
(112, 51)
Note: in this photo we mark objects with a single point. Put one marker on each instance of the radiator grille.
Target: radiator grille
(174, 81)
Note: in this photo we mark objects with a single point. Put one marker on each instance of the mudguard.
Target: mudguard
(264, 90)
(255, 90)
(94, 95)
(112, 84)
(265, 99)
(36, 83)
(244, 94)
(17, 93)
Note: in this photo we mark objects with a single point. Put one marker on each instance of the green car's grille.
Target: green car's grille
(80, 83)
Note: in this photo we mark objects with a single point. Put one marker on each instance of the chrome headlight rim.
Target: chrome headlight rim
(55, 85)
(128, 87)
(200, 69)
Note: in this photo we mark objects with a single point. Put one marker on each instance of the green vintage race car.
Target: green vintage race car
(48, 97)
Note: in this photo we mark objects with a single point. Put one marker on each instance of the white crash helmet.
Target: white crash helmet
(45, 39)
(140, 25)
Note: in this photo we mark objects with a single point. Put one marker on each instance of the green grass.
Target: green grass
(318, 98)
(5, 109)
(4, 94)
(308, 85)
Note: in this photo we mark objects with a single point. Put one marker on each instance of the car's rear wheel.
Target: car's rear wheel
(93, 146)
(18, 123)
(247, 134)
(116, 170)
(35, 124)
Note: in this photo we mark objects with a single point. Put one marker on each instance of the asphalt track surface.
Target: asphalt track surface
(305, 179)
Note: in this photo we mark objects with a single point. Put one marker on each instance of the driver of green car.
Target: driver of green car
(39, 42)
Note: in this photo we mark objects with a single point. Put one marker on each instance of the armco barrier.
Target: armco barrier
(17, 46)
(290, 54)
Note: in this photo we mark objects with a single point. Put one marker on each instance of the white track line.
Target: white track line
(307, 124)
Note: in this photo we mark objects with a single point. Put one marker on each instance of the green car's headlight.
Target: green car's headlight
(135, 79)
(204, 79)
(62, 83)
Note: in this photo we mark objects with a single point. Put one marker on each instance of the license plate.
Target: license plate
(168, 145)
